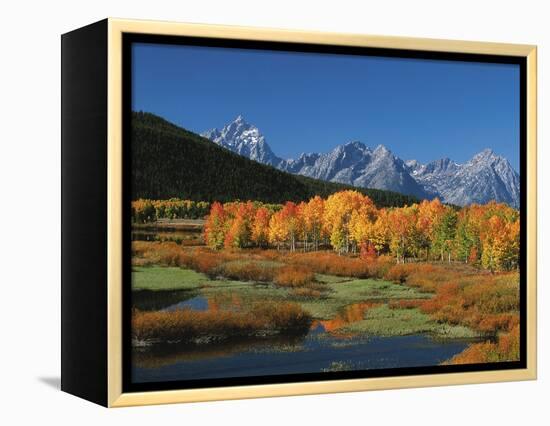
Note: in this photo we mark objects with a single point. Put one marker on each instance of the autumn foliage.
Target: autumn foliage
(144, 211)
(187, 325)
(507, 348)
(349, 222)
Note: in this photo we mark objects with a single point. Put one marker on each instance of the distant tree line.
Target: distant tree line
(144, 211)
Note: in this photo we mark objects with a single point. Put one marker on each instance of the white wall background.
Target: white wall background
(30, 212)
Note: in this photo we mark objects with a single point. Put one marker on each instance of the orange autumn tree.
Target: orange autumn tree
(215, 226)
(339, 209)
(260, 227)
(312, 214)
(380, 232)
(428, 217)
(277, 233)
(239, 233)
(302, 234)
(290, 219)
(401, 226)
(500, 244)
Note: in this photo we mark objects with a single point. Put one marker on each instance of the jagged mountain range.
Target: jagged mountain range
(487, 176)
(169, 161)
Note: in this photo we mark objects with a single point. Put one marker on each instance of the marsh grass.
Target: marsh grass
(306, 293)
(247, 271)
(158, 278)
(405, 303)
(330, 263)
(384, 321)
(507, 348)
(186, 325)
(459, 300)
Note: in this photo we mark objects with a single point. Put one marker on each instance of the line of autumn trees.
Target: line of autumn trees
(146, 211)
(348, 222)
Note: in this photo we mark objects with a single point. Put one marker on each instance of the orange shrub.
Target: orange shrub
(188, 325)
(331, 263)
(505, 349)
(164, 253)
(481, 302)
(172, 254)
(282, 316)
(248, 271)
(416, 274)
(492, 322)
(293, 276)
(269, 254)
(399, 273)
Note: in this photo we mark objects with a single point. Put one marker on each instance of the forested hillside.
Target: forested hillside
(171, 162)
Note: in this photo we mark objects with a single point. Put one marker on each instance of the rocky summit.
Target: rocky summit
(487, 176)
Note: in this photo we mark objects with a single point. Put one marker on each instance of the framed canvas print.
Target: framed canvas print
(251, 212)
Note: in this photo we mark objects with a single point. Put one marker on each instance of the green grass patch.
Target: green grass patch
(383, 321)
(331, 279)
(342, 293)
(371, 289)
(245, 289)
(166, 278)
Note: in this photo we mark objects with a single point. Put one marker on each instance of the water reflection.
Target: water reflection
(317, 352)
(180, 237)
(349, 314)
(197, 303)
(150, 300)
(159, 356)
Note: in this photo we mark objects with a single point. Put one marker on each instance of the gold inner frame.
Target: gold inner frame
(116, 28)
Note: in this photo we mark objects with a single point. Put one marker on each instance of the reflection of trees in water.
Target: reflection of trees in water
(226, 302)
(150, 300)
(157, 356)
(347, 315)
(155, 300)
(184, 236)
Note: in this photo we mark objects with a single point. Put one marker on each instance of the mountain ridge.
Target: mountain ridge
(485, 177)
(169, 161)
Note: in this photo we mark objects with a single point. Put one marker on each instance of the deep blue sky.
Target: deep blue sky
(419, 109)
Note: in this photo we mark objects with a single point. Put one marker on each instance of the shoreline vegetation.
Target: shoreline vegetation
(261, 319)
(339, 263)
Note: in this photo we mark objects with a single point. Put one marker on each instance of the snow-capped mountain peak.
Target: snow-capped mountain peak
(381, 150)
(244, 139)
(486, 176)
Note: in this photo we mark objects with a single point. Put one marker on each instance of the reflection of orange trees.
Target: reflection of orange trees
(349, 314)
(225, 302)
(348, 222)
(163, 355)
